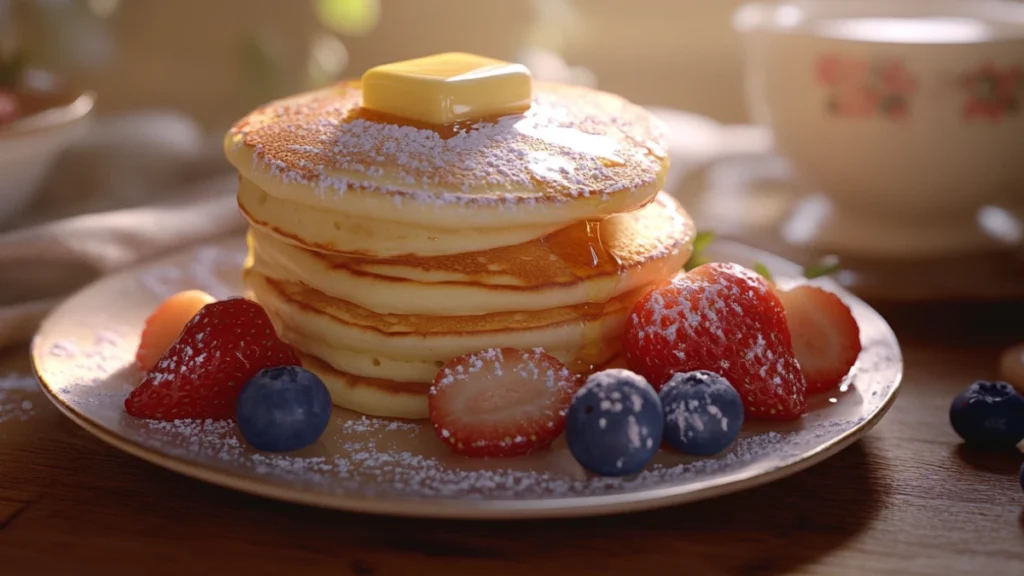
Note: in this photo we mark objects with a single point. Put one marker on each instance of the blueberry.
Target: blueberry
(703, 412)
(614, 424)
(989, 415)
(283, 409)
(1020, 477)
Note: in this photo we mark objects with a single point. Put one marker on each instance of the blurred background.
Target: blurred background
(215, 60)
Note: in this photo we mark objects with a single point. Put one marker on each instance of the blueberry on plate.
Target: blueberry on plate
(614, 424)
(989, 415)
(703, 412)
(283, 409)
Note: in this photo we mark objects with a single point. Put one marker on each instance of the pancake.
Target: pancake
(379, 365)
(589, 333)
(380, 397)
(371, 396)
(315, 229)
(584, 262)
(576, 154)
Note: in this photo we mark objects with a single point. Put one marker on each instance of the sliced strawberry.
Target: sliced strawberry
(201, 374)
(725, 319)
(826, 338)
(165, 324)
(501, 402)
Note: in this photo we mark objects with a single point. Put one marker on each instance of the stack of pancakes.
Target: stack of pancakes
(382, 248)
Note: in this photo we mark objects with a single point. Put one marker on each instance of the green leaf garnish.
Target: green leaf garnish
(700, 242)
(763, 270)
(694, 262)
(827, 266)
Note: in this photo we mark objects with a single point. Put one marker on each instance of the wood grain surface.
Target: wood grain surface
(907, 499)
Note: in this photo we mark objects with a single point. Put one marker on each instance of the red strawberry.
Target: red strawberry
(201, 374)
(726, 319)
(826, 338)
(501, 402)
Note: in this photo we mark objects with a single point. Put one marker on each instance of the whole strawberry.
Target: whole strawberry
(726, 319)
(202, 373)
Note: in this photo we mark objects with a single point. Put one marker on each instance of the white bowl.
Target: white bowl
(882, 105)
(31, 145)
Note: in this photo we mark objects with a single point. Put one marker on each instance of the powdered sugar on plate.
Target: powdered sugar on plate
(85, 359)
(369, 463)
(368, 456)
(18, 397)
(213, 270)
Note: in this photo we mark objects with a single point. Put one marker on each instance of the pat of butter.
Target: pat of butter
(447, 88)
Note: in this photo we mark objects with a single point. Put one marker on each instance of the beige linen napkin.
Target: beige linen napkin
(41, 265)
(114, 201)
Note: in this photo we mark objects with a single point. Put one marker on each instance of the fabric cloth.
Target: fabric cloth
(136, 188)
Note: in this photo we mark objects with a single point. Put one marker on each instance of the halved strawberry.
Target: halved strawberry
(826, 338)
(501, 402)
(164, 325)
(202, 373)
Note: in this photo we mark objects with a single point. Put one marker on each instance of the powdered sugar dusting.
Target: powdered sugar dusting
(686, 325)
(480, 368)
(86, 361)
(18, 382)
(363, 455)
(371, 465)
(575, 142)
(494, 380)
(213, 270)
(18, 394)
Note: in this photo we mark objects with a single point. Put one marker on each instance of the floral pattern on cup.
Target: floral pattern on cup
(860, 88)
(992, 92)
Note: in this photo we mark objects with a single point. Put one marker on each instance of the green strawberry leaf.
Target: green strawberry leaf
(700, 242)
(827, 266)
(763, 271)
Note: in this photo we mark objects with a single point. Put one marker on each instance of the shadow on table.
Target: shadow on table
(1001, 462)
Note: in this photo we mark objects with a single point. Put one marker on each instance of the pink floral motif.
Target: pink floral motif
(861, 88)
(992, 92)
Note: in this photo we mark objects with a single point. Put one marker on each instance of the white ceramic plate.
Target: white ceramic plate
(83, 352)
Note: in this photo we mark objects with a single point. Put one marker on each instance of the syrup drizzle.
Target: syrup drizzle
(582, 252)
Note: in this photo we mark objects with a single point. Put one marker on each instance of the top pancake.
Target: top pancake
(577, 153)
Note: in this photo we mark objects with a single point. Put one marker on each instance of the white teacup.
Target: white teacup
(908, 115)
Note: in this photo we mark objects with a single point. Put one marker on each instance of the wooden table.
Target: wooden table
(907, 499)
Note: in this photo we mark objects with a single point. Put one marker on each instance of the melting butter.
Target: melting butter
(447, 88)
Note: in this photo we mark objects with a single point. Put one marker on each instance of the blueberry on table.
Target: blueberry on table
(283, 409)
(614, 424)
(703, 412)
(989, 415)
